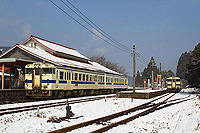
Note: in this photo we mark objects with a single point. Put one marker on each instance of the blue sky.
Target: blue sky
(163, 29)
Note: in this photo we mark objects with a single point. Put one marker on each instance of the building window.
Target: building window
(34, 45)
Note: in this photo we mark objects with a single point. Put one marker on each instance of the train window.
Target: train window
(28, 71)
(169, 80)
(91, 77)
(83, 77)
(37, 71)
(69, 76)
(99, 78)
(80, 75)
(61, 75)
(75, 76)
(65, 75)
(54, 71)
(95, 78)
(117, 80)
(72, 76)
(46, 71)
(178, 80)
(87, 77)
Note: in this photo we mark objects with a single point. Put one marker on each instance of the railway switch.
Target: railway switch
(69, 113)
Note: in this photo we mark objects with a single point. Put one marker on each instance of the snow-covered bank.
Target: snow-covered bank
(183, 117)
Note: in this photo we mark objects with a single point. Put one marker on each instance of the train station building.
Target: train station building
(36, 49)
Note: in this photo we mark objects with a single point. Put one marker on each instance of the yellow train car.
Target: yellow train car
(43, 80)
(174, 84)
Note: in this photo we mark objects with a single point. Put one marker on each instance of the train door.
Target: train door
(37, 78)
(173, 83)
(68, 78)
(57, 78)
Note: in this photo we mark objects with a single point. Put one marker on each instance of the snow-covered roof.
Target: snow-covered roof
(56, 48)
(42, 54)
(58, 55)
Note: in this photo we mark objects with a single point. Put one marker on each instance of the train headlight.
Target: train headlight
(46, 92)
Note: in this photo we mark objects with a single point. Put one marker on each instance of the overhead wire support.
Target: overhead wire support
(86, 27)
(134, 68)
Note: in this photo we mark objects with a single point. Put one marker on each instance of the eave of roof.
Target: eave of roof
(56, 48)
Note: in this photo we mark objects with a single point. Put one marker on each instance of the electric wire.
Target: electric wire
(121, 46)
(86, 27)
(139, 59)
(143, 52)
(115, 41)
(142, 58)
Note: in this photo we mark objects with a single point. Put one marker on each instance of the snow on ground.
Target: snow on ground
(183, 117)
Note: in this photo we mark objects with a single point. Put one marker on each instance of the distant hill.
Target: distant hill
(5, 48)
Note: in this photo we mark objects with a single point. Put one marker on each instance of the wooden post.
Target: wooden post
(3, 76)
(10, 78)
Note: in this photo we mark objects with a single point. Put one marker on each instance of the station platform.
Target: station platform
(12, 95)
(141, 94)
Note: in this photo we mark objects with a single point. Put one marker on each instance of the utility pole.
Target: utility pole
(133, 68)
(152, 85)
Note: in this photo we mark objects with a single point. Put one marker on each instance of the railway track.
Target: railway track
(146, 108)
(11, 110)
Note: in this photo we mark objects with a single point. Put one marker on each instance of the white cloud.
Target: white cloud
(96, 33)
(101, 50)
(26, 30)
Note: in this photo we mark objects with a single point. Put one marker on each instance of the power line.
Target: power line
(115, 41)
(139, 59)
(143, 52)
(142, 58)
(86, 27)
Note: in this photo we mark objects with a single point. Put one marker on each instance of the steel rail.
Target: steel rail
(48, 105)
(150, 110)
(108, 117)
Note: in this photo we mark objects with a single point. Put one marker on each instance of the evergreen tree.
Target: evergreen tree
(147, 73)
(193, 68)
(170, 73)
(138, 79)
(182, 65)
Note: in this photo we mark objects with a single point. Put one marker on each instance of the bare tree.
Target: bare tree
(106, 63)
